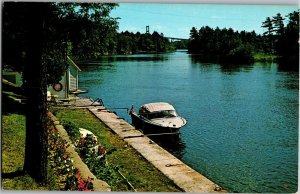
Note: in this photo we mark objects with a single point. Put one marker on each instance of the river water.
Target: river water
(242, 130)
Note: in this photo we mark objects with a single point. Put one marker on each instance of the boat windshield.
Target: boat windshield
(163, 114)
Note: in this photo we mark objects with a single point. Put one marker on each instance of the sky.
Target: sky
(176, 20)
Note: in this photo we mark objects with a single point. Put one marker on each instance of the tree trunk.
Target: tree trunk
(36, 149)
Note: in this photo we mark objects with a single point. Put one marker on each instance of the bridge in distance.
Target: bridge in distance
(172, 39)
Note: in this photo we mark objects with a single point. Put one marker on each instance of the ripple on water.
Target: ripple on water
(242, 129)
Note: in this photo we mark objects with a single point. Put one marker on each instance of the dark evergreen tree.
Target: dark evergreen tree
(193, 44)
(269, 41)
(224, 45)
(288, 41)
(228, 45)
(284, 39)
(278, 24)
(268, 25)
(130, 43)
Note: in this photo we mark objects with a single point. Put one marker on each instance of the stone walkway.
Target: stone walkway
(77, 102)
(183, 176)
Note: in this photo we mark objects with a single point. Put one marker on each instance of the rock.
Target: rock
(84, 133)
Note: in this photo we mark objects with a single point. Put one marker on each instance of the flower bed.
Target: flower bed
(69, 178)
(93, 155)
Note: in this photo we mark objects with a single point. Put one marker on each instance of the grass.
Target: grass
(139, 172)
(263, 57)
(13, 137)
(13, 150)
(13, 144)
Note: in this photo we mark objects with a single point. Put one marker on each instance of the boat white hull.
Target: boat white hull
(154, 126)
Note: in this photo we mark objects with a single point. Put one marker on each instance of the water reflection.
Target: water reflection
(243, 119)
(122, 58)
(209, 62)
(96, 66)
(200, 58)
(206, 60)
(172, 143)
(288, 66)
(234, 68)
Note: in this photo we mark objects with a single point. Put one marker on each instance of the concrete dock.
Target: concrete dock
(182, 175)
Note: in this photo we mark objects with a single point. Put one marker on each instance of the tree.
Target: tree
(224, 45)
(268, 34)
(88, 27)
(278, 24)
(128, 43)
(37, 36)
(36, 131)
(283, 40)
(288, 45)
(194, 34)
(268, 25)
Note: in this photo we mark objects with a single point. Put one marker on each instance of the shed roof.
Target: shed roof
(70, 61)
(157, 106)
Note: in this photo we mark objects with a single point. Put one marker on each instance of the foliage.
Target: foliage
(82, 29)
(72, 129)
(86, 146)
(75, 183)
(232, 46)
(283, 40)
(182, 44)
(130, 43)
(88, 27)
(63, 164)
(241, 54)
(141, 174)
(60, 164)
(226, 44)
(37, 38)
(94, 156)
(263, 57)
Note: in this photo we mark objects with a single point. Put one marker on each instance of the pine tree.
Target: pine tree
(268, 34)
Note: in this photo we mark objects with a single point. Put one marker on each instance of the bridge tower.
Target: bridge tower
(147, 30)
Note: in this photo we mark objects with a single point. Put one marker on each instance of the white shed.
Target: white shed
(68, 85)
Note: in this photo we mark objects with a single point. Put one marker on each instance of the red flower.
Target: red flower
(88, 180)
(81, 184)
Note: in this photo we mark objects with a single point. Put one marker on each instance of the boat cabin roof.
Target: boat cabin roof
(157, 106)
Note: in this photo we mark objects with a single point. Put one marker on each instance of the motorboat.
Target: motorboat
(157, 117)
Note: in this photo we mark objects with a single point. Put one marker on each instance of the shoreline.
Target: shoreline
(181, 174)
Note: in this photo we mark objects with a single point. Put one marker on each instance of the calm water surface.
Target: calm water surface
(242, 129)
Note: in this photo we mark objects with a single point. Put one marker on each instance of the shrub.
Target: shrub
(241, 54)
(61, 163)
(72, 130)
(94, 156)
(75, 183)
